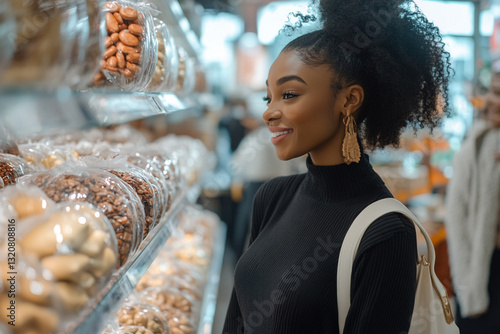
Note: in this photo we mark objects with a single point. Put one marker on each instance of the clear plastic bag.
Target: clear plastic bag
(136, 159)
(11, 169)
(76, 243)
(107, 192)
(131, 46)
(123, 134)
(35, 309)
(24, 201)
(167, 67)
(44, 155)
(176, 306)
(134, 313)
(186, 76)
(88, 46)
(137, 178)
(8, 143)
(45, 33)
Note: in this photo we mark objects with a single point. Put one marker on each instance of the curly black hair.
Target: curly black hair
(391, 50)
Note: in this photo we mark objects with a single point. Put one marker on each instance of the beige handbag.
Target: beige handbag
(432, 312)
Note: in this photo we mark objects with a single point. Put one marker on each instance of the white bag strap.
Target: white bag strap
(351, 243)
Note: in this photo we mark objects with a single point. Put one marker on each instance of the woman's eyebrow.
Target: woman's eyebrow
(287, 78)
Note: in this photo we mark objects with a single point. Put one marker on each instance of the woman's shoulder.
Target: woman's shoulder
(385, 228)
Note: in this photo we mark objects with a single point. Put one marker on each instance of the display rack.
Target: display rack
(35, 111)
(213, 278)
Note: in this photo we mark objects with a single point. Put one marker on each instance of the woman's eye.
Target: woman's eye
(266, 99)
(288, 95)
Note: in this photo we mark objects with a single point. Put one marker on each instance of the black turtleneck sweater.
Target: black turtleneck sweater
(286, 281)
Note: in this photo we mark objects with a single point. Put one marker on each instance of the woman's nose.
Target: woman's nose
(272, 113)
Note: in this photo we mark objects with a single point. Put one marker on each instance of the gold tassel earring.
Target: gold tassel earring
(350, 146)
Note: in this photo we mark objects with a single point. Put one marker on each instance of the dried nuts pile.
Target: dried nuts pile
(125, 29)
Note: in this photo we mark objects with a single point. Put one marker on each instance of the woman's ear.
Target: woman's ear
(354, 96)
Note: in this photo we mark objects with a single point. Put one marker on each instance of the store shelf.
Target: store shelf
(29, 111)
(123, 282)
(213, 278)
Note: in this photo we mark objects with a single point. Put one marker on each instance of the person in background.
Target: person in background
(374, 68)
(472, 221)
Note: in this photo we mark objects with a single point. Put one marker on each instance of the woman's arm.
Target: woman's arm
(384, 281)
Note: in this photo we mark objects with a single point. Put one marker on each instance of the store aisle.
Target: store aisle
(225, 288)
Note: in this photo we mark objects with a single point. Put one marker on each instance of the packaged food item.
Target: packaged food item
(110, 329)
(186, 76)
(11, 169)
(7, 139)
(88, 46)
(45, 33)
(177, 308)
(137, 159)
(169, 300)
(108, 193)
(35, 309)
(167, 67)
(123, 134)
(133, 330)
(131, 46)
(140, 314)
(44, 155)
(168, 163)
(77, 244)
(137, 178)
(25, 201)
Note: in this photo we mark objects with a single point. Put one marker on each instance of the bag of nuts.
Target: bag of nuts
(74, 182)
(76, 243)
(36, 307)
(131, 46)
(136, 313)
(45, 155)
(23, 201)
(141, 181)
(167, 67)
(173, 303)
(12, 168)
(137, 159)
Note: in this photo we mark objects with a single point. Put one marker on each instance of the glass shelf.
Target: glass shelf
(213, 278)
(29, 112)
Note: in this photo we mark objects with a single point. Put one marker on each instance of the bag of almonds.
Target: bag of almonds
(141, 181)
(21, 201)
(36, 308)
(131, 46)
(140, 314)
(75, 182)
(174, 304)
(12, 168)
(167, 67)
(45, 155)
(76, 243)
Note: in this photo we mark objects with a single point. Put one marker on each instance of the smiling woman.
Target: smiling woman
(380, 65)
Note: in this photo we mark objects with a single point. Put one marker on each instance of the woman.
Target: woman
(472, 222)
(379, 65)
